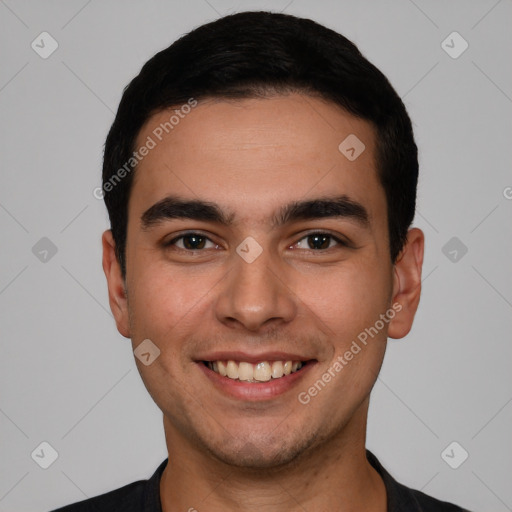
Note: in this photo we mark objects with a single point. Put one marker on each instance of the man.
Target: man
(260, 178)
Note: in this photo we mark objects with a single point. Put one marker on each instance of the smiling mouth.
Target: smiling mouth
(263, 371)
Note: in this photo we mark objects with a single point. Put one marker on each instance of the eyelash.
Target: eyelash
(172, 242)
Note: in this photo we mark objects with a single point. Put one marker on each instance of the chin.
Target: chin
(261, 453)
(252, 458)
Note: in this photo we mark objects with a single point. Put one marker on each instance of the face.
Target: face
(221, 268)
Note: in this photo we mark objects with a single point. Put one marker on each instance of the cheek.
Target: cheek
(347, 299)
(160, 302)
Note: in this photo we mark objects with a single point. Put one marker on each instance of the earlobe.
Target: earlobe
(407, 283)
(116, 285)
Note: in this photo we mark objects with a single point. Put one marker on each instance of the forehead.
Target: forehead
(255, 154)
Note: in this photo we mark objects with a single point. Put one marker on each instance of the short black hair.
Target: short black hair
(257, 54)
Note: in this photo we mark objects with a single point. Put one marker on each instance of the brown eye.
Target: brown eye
(194, 242)
(318, 241)
(191, 242)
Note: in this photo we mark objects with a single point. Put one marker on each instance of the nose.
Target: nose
(256, 295)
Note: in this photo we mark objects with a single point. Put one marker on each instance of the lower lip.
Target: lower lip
(255, 391)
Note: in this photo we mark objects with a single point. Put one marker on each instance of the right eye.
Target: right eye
(191, 242)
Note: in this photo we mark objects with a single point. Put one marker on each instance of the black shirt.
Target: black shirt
(144, 496)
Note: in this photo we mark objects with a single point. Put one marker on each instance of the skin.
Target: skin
(251, 157)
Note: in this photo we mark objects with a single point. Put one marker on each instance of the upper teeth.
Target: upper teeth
(260, 372)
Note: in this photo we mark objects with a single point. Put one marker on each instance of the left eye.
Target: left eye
(318, 241)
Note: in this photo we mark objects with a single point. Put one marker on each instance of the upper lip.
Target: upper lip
(251, 358)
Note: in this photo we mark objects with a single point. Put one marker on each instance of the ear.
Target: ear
(116, 285)
(407, 283)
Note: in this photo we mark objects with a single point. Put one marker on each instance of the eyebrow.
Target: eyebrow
(172, 207)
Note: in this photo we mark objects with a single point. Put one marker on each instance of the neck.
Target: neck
(334, 475)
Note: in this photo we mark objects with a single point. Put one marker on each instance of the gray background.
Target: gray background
(68, 378)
